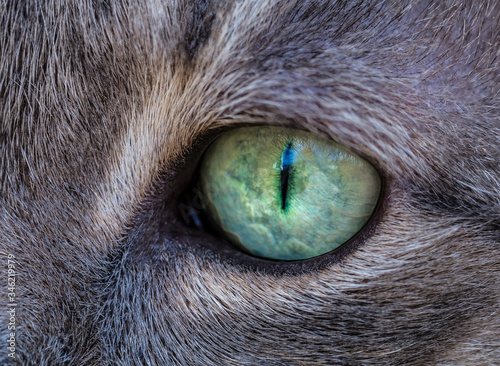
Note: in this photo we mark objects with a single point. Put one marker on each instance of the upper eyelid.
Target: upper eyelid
(356, 115)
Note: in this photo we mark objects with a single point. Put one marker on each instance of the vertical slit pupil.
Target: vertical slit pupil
(286, 167)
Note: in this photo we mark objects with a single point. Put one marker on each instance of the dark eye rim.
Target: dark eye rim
(226, 252)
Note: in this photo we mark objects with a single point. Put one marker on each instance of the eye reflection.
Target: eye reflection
(286, 194)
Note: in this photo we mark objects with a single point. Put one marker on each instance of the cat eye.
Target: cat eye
(285, 194)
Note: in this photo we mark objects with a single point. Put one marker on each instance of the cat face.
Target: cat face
(107, 109)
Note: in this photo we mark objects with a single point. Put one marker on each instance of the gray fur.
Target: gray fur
(105, 108)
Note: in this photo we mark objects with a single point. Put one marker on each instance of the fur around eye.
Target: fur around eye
(106, 110)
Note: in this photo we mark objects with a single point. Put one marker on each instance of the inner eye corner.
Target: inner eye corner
(193, 200)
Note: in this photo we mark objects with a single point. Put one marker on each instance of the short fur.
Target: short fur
(105, 108)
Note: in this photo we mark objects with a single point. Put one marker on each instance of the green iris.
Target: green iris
(286, 194)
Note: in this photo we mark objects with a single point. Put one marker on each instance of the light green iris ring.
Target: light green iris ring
(330, 192)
